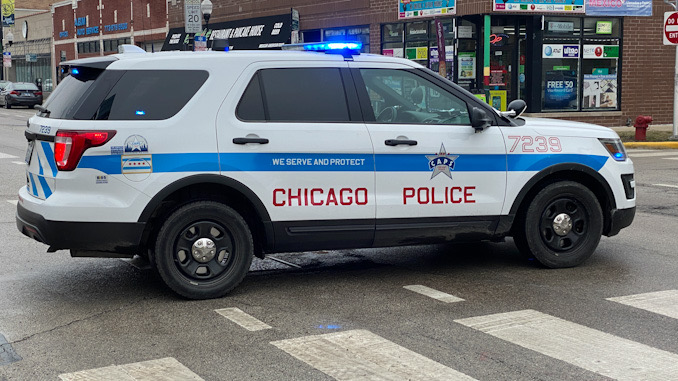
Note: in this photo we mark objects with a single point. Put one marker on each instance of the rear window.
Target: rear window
(24, 86)
(124, 95)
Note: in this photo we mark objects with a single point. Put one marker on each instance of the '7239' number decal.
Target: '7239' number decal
(535, 144)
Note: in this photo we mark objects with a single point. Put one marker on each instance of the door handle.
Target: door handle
(250, 140)
(395, 142)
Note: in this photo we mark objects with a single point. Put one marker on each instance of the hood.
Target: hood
(568, 127)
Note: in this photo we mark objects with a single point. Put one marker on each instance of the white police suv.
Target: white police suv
(201, 160)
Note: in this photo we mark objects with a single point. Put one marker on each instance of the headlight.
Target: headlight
(615, 148)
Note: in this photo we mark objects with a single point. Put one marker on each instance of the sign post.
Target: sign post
(671, 38)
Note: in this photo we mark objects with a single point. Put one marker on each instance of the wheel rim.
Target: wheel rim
(203, 250)
(564, 224)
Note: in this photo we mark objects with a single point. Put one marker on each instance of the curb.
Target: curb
(655, 145)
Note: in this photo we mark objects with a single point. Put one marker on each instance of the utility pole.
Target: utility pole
(675, 83)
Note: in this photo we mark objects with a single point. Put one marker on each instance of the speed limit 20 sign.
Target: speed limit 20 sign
(671, 28)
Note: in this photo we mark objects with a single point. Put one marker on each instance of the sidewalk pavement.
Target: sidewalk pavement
(651, 145)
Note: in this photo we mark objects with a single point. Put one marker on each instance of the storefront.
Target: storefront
(595, 61)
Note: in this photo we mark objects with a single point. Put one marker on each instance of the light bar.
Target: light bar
(329, 47)
(75, 71)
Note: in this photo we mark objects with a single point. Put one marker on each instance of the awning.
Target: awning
(269, 32)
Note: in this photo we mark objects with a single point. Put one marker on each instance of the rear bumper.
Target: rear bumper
(24, 101)
(124, 238)
(619, 219)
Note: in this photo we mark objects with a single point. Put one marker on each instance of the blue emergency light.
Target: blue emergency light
(75, 71)
(345, 48)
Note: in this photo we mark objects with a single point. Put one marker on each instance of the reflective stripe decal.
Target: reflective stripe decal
(49, 155)
(311, 162)
(35, 188)
(45, 187)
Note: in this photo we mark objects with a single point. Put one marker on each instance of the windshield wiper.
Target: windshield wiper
(42, 109)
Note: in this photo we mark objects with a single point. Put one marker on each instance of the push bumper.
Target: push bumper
(619, 219)
(123, 238)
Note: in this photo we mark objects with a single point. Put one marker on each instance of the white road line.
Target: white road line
(670, 158)
(665, 185)
(362, 355)
(166, 369)
(653, 154)
(13, 202)
(634, 150)
(660, 302)
(242, 319)
(578, 345)
(19, 162)
(7, 156)
(435, 294)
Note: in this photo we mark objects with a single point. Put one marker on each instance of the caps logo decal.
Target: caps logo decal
(441, 163)
(136, 143)
(136, 162)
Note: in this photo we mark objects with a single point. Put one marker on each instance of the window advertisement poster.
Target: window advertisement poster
(560, 89)
(600, 91)
(541, 6)
(420, 53)
(601, 51)
(7, 13)
(395, 52)
(467, 65)
(408, 9)
(560, 51)
(619, 7)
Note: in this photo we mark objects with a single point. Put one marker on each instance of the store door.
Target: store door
(507, 60)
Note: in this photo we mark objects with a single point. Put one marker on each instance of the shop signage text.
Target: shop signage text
(408, 9)
(63, 34)
(601, 51)
(619, 7)
(574, 6)
(114, 27)
(88, 31)
(560, 51)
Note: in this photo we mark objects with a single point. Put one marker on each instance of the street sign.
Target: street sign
(192, 16)
(671, 28)
(7, 59)
(31, 57)
(200, 44)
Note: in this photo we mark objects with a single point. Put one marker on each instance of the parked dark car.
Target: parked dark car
(20, 94)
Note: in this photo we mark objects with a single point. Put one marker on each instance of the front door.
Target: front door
(436, 178)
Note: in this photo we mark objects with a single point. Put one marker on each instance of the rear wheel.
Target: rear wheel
(562, 225)
(7, 105)
(203, 250)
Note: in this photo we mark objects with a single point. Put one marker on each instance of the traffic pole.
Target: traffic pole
(675, 84)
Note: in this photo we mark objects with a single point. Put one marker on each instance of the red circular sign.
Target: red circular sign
(599, 51)
(671, 28)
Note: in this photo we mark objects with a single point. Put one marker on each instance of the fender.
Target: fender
(568, 168)
(211, 179)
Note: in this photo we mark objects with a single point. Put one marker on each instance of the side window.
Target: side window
(304, 95)
(150, 94)
(400, 96)
(251, 105)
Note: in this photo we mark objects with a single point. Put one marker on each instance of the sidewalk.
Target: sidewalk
(653, 145)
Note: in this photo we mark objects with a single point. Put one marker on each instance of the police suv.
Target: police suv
(202, 160)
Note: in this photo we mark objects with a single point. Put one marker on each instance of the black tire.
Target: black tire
(557, 246)
(7, 105)
(182, 252)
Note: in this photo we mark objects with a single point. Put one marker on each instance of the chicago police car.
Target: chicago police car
(201, 161)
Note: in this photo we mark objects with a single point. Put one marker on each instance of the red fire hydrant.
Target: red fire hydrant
(641, 126)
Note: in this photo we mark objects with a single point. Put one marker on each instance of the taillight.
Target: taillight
(70, 145)
(14, 92)
(39, 93)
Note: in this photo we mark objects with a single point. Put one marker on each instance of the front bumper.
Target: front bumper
(619, 219)
(114, 237)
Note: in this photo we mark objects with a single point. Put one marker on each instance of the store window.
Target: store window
(112, 45)
(88, 47)
(580, 58)
(466, 58)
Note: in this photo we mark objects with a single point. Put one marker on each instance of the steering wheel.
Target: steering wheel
(387, 115)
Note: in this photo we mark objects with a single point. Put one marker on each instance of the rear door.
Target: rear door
(292, 132)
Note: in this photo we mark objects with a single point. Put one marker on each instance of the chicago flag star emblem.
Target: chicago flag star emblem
(441, 163)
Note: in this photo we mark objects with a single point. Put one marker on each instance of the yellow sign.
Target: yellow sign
(498, 99)
(422, 53)
(7, 13)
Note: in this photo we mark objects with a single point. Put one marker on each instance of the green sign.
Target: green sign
(561, 68)
(603, 27)
(604, 71)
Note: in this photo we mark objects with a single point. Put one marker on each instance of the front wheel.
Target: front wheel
(562, 225)
(203, 250)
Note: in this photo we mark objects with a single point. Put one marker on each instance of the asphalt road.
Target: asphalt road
(347, 314)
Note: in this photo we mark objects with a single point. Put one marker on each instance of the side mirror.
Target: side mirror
(518, 106)
(479, 119)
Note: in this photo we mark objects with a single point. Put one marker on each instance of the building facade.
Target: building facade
(565, 62)
(89, 28)
(30, 49)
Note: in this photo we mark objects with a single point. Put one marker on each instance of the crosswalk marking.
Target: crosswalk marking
(7, 156)
(13, 202)
(665, 185)
(435, 294)
(362, 355)
(653, 154)
(660, 302)
(165, 369)
(242, 319)
(578, 345)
